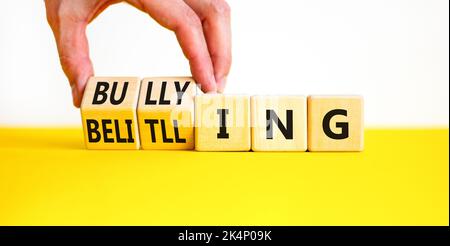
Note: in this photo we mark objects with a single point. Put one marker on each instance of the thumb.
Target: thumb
(73, 50)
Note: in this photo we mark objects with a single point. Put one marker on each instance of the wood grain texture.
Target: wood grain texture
(166, 113)
(279, 123)
(108, 112)
(210, 110)
(335, 123)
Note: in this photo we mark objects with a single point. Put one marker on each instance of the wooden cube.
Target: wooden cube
(166, 113)
(279, 123)
(222, 123)
(108, 111)
(335, 123)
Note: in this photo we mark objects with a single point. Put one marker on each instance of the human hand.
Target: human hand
(202, 28)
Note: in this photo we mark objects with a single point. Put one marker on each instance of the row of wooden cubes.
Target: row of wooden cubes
(170, 113)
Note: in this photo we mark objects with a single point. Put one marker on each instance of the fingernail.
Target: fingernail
(75, 95)
(211, 88)
(74, 91)
(221, 84)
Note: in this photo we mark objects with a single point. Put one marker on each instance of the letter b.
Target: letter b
(101, 95)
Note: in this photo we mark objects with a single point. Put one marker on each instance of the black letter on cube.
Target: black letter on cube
(271, 116)
(223, 123)
(342, 125)
(91, 130)
(100, 90)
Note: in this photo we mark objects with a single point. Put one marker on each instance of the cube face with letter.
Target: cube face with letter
(166, 113)
(222, 123)
(335, 123)
(279, 123)
(108, 112)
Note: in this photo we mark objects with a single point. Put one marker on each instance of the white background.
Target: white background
(393, 52)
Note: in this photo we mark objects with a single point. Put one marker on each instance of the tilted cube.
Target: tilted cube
(108, 112)
(166, 113)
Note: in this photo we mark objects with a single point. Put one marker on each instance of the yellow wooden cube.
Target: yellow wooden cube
(108, 112)
(166, 113)
(335, 123)
(279, 123)
(222, 123)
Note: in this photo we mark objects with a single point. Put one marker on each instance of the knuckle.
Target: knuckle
(220, 7)
(67, 63)
(224, 61)
(63, 13)
(71, 64)
(191, 19)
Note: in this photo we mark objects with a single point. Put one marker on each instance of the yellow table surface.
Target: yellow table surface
(47, 177)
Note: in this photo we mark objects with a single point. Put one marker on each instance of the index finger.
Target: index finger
(215, 15)
(177, 16)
